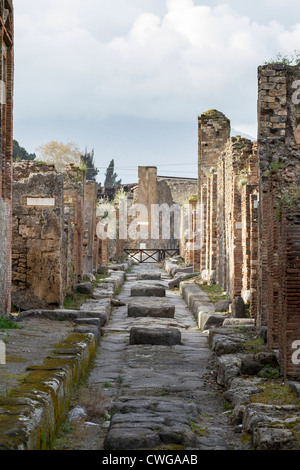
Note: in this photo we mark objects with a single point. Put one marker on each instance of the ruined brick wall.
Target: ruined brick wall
(74, 184)
(213, 133)
(6, 150)
(90, 205)
(228, 193)
(279, 208)
(38, 237)
(236, 219)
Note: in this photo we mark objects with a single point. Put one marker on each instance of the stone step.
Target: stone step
(149, 276)
(155, 336)
(148, 290)
(151, 308)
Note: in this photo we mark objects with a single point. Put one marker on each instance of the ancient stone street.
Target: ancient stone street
(156, 396)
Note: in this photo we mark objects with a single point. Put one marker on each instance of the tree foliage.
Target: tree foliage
(20, 153)
(88, 160)
(111, 176)
(60, 154)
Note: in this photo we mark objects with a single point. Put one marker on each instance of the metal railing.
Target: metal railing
(151, 256)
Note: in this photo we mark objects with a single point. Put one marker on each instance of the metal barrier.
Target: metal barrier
(151, 256)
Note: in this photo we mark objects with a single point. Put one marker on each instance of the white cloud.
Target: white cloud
(171, 65)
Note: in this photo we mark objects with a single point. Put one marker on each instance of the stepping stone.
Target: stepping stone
(155, 336)
(148, 290)
(148, 276)
(151, 308)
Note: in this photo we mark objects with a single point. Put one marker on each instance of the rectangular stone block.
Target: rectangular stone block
(151, 308)
(155, 336)
(148, 291)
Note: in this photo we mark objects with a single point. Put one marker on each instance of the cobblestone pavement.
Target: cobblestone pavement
(154, 396)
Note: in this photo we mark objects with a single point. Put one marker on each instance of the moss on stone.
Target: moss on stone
(30, 417)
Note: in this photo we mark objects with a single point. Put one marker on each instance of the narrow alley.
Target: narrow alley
(156, 392)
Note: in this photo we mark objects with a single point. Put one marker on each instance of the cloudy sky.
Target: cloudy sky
(129, 78)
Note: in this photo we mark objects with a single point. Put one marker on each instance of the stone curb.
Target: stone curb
(31, 415)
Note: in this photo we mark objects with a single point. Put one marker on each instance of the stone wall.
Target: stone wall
(279, 209)
(38, 238)
(6, 149)
(54, 229)
(228, 193)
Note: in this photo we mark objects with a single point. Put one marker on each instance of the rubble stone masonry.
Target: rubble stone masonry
(38, 237)
(50, 218)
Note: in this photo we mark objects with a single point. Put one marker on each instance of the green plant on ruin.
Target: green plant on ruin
(275, 392)
(270, 372)
(275, 166)
(119, 196)
(8, 324)
(193, 198)
(289, 60)
(81, 168)
(253, 345)
(75, 300)
(215, 292)
(289, 198)
(242, 182)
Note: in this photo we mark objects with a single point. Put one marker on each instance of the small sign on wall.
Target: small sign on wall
(40, 201)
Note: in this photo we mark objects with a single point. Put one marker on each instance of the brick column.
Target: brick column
(279, 205)
(6, 150)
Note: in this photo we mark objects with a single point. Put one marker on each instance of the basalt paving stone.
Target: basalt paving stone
(158, 396)
(155, 336)
(151, 308)
(149, 276)
(148, 290)
(151, 422)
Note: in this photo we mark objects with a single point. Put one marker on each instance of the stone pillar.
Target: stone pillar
(213, 133)
(147, 196)
(74, 183)
(90, 205)
(6, 151)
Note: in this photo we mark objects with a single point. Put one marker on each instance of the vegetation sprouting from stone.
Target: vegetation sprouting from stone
(293, 59)
(8, 324)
